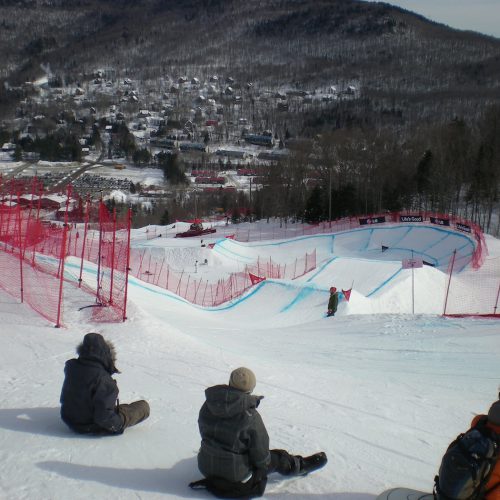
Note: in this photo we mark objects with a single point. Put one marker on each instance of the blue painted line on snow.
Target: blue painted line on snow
(305, 292)
(321, 269)
(415, 252)
(290, 241)
(384, 283)
(433, 244)
(367, 241)
(225, 251)
(447, 257)
(404, 235)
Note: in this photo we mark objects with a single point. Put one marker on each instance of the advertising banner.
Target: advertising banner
(463, 227)
(411, 218)
(439, 221)
(371, 220)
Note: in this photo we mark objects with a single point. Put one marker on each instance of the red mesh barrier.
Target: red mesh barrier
(148, 266)
(473, 292)
(347, 223)
(33, 253)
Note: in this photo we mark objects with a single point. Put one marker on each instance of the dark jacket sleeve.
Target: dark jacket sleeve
(258, 450)
(105, 414)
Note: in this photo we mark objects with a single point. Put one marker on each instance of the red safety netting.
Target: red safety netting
(34, 281)
(33, 254)
(292, 230)
(153, 268)
(112, 263)
(473, 292)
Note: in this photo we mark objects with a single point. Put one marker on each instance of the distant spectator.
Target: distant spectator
(333, 302)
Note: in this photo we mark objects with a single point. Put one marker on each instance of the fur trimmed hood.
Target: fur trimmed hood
(494, 413)
(96, 348)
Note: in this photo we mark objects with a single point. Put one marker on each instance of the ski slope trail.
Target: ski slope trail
(381, 391)
(368, 260)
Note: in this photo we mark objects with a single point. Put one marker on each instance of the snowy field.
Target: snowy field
(382, 391)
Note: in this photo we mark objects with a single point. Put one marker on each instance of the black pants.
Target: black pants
(283, 463)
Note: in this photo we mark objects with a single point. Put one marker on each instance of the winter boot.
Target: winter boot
(311, 463)
(283, 463)
(133, 413)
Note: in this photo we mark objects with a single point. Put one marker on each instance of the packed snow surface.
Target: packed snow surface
(381, 390)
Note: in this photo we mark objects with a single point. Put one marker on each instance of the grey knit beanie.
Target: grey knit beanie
(243, 379)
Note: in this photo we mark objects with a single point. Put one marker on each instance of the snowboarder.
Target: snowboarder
(89, 394)
(234, 455)
(333, 302)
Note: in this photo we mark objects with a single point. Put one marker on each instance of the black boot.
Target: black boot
(311, 463)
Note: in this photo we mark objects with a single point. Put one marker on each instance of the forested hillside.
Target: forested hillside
(422, 131)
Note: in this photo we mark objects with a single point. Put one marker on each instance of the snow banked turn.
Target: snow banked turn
(383, 394)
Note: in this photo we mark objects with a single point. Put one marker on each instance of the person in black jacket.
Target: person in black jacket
(234, 455)
(89, 396)
(333, 301)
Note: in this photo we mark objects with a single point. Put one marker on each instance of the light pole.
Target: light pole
(250, 200)
(330, 200)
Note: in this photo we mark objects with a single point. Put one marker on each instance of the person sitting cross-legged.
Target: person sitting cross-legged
(234, 455)
(89, 396)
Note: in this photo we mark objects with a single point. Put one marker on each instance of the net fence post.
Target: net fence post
(449, 281)
(127, 269)
(62, 258)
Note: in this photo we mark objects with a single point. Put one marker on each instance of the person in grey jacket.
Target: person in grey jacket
(89, 396)
(234, 439)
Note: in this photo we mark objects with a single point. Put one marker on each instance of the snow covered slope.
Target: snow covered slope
(383, 394)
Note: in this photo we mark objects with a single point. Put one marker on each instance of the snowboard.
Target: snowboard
(404, 494)
(312, 463)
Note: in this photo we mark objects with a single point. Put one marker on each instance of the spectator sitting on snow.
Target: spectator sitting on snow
(234, 456)
(492, 488)
(89, 394)
(333, 302)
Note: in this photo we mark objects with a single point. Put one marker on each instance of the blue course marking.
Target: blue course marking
(415, 252)
(447, 233)
(305, 292)
(321, 269)
(367, 241)
(384, 283)
(170, 295)
(293, 240)
(403, 236)
(225, 251)
(446, 257)
(434, 243)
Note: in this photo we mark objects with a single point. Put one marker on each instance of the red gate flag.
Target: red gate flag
(347, 294)
(255, 279)
(230, 236)
(211, 245)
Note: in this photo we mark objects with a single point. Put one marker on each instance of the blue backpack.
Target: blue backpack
(467, 465)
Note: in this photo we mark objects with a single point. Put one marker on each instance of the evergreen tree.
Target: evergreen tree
(165, 218)
(314, 206)
(172, 170)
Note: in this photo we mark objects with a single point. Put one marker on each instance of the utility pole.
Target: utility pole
(330, 200)
(250, 197)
